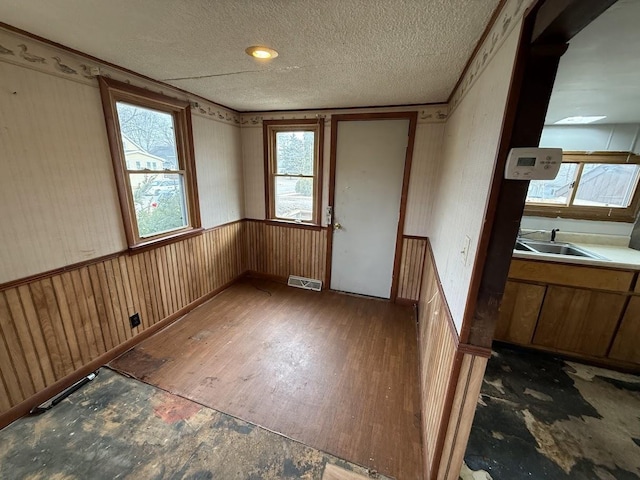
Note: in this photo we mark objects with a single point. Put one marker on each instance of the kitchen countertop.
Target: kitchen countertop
(617, 256)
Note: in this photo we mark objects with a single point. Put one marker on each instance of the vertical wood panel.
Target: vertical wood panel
(411, 267)
(103, 306)
(46, 300)
(34, 295)
(280, 250)
(53, 326)
(15, 350)
(445, 369)
(37, 333)
(437, 355)
(13, 309)
(462, 413)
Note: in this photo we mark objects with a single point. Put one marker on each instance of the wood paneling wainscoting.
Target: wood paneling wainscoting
(276, 251)
(411, 266)
(279, 250)
(56, 326)
(451, 375)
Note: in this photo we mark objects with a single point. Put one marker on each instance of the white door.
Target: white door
(370, 157)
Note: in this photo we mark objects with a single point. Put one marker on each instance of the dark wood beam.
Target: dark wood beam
(558, 21)
(535, 72)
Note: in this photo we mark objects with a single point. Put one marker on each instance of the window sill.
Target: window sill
(285, 223)
(166, 240)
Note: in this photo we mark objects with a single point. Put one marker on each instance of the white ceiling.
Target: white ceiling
(333, 53)
(600, 73)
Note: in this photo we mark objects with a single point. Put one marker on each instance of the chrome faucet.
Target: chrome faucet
(553, 234)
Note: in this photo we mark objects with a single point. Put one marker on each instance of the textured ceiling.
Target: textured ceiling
(333, 53)
(600, 73)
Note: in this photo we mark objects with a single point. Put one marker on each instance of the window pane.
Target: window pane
(148, 138)
(606, 185)
(159, 202)
(294, 153)
(294, 198)
(556, 191)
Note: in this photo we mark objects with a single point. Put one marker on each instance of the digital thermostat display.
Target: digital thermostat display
(533, 163)
(526, 161)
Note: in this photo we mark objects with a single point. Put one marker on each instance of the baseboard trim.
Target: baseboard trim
(42, 396)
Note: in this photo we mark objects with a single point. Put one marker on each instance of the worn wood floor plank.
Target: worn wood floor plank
(336, 372)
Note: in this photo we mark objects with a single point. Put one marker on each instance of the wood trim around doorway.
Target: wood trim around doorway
(413, 120)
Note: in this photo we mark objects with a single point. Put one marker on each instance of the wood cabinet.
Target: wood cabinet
(582, 311)
(626, 346)
(519, 312)
(578, 320)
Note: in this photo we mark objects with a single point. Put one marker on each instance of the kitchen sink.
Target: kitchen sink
(523, 247)
(554, 248)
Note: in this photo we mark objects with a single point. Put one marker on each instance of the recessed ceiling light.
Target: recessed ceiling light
(579, 120)
(261, 53)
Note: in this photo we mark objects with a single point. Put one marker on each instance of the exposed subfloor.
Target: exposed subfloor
(542, 417)
(336, 372)
(118, 427)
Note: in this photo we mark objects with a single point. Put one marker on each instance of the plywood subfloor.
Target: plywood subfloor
(118, 427)
(336, 372)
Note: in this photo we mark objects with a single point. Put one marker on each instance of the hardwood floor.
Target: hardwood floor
(336, 372)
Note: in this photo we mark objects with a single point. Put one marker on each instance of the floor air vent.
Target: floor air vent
(306, 283)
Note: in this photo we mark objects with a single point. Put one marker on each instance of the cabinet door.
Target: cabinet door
(577, 320)
(625, 346)
(519, 312)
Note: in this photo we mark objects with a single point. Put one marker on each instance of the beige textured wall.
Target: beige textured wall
(424, 163)
(58, 200)
(422, 183)
(253, 170)
(219, 170)
(470, 145)
(58, 203)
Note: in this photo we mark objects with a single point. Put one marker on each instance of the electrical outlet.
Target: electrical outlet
(465, 249)
(134, 320)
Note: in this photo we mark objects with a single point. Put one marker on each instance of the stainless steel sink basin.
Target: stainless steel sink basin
(523, 247)
(555, 248)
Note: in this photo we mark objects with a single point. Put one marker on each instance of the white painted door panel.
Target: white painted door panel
(370, 158)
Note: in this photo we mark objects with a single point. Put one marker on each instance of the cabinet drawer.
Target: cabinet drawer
(571, 275)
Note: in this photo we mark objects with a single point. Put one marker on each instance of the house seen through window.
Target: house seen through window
(598, 186)
(158, 192)
(150, 138)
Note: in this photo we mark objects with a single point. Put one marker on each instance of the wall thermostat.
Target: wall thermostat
(533, 163)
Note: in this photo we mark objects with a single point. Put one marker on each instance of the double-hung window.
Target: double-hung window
(151, 146)
(595, 186)
(293, 164)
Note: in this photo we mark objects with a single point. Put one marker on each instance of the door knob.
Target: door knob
(337, 226)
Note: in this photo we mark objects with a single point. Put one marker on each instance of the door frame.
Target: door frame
(347, 117)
